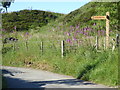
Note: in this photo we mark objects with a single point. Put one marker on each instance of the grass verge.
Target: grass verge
(84, 63)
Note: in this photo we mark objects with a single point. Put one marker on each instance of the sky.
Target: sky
(62, 6)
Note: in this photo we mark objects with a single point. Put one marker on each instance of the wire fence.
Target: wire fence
(61, 46)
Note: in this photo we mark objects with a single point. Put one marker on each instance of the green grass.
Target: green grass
(84, 63)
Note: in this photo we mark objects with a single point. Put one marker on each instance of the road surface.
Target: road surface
(32, 78)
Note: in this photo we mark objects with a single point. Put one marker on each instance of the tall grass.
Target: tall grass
(83, 63)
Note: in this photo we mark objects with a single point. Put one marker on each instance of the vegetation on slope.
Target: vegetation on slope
(82, 16)
(25, 19)
(83, 62)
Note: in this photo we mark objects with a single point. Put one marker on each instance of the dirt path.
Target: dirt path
(31, 78)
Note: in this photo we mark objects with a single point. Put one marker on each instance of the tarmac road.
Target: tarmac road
(32, 78)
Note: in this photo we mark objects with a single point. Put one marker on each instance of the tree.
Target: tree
(6, 4)
(2, 10)
(1, 7)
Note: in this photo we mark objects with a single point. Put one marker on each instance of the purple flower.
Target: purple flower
(85, 29)
(3, 30)
(74, 38)
(81, 32)
(15, 27)
(77, 31)
(89, 29)
(69, 41)
(94, 24)
(103, 32)
(71, 26)
(65, 33)
(26, 34)
(99, 33)
(77, 27)
(75, 35)
(68, 34)
(110, 30)
(85, 33)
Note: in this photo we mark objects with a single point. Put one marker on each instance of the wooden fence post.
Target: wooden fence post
(117, 40)
(62, 48)
(26, 44)
(104, 43)
(14, 46)
(41, 47)
(78, 42)
(97, 43)
(113, 44)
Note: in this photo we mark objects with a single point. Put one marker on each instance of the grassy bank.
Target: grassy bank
(84, 63)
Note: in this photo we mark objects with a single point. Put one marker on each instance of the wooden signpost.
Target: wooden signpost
(107, 17)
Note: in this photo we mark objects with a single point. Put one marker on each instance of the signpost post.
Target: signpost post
(107, 18)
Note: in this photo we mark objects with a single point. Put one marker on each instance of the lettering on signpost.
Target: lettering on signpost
(98, 17)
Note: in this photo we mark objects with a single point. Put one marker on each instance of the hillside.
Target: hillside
(82, 16)
(25, 19)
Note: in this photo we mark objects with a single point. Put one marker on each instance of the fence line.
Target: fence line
(63, 45)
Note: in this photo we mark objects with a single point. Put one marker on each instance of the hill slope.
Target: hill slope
(25, 19)
(83, 15)
(81, 18)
